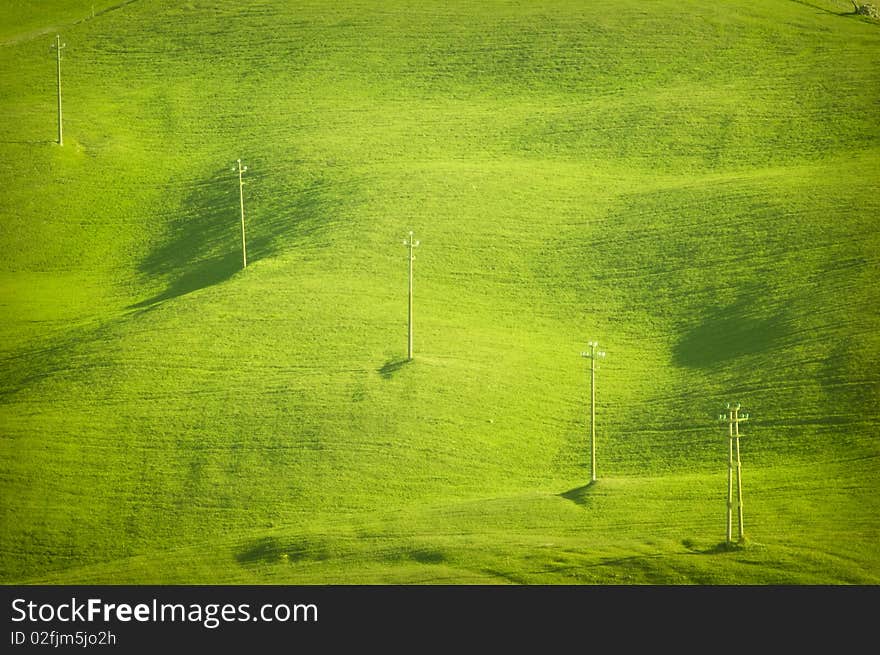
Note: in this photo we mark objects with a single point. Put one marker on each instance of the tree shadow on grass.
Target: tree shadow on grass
(27, 367)
(427, 556)
(203, 245)
(392, 366)
(726, 334)
(271, 549)
(268, 549)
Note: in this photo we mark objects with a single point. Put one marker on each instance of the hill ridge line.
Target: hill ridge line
(30, 36)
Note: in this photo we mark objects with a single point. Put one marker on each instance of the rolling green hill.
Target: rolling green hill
(693, 184)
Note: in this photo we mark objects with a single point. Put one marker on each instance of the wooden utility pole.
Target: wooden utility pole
(593, 355)
(733, 419)
(58, 47)
(730, 476)
(241, 170)
(411, 244)
(739, 480)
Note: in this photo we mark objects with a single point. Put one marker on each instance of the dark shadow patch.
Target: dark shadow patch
(203, 244)
(25, 142)
(391, 367)
(715, 549)
(726, 334)
(270, 550)
(206, 275)
(203, 247)
(29, 367)
(579, 495)
(66, 354)
(428, 556)
(267, 549)
(823, 9)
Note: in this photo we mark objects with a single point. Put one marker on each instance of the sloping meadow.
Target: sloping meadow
(694, 185)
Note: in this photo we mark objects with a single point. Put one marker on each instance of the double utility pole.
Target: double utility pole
(593, 355)
(734, 418)
(241, 170)
(58, 47)
(411, 244)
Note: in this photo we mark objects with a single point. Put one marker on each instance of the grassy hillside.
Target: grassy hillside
(693, 184)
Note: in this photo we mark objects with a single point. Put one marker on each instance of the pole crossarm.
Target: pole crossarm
(411, 243)
(593, 355)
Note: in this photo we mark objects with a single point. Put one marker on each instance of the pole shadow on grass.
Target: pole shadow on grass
(579, 495)
(392, 366)
(824, 9)
(202, 246)
(714, 549)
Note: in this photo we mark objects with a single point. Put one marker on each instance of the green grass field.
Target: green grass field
(694, 184)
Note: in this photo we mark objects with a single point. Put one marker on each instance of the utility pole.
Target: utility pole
(412, 244)
(734, 418)
(58, 47)
(593, 355)
(241, 170)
